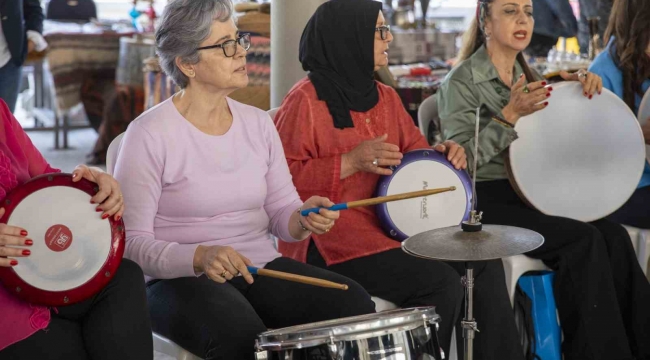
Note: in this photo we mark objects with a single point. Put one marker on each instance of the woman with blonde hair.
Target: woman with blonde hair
(600, 289)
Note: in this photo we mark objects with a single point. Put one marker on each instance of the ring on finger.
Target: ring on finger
(223, 274)
(526, 89)
(375, 162)
(582, 74)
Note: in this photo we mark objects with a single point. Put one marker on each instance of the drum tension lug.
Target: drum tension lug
(332, 348)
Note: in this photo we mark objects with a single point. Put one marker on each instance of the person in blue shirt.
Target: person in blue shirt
(625, 68)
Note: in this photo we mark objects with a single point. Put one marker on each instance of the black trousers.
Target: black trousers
(600, 290)
(222, 321)
(636, 211)
(114, 324)
(408, 281)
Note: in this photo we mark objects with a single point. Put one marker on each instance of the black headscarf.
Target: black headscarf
(337, 49)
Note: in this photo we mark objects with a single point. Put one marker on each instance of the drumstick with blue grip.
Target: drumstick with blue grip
(296, 278)
(380, 200)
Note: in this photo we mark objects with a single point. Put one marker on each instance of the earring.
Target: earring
(487, 36)
(191, 73)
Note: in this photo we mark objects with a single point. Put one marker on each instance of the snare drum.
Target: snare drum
(396, 334)
(422, 170)
(577, 158)
(75, 252)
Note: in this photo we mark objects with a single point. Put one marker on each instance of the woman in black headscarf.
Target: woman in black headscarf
(341, 130)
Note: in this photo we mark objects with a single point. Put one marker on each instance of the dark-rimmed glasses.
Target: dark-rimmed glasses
(230, 47)
(383, 31)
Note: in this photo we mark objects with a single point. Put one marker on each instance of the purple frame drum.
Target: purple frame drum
(421, 170)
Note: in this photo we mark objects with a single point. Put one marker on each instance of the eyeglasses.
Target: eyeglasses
(383, 31)
(230, 47)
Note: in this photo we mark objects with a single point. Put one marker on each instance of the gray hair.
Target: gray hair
(184, 25)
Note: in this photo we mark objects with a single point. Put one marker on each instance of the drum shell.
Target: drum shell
(418, 343)
(401, 333)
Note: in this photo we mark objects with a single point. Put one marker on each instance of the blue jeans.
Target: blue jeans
(10, 83)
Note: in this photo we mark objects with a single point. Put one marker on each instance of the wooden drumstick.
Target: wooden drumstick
(380, 200)
(296, 278)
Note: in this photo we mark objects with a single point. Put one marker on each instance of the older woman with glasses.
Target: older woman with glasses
(208, 186)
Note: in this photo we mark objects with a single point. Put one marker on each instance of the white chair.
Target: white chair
(641, 242)
(112, 153)
(272, 113)
(643, 251)
(427, 112)
(515, 267)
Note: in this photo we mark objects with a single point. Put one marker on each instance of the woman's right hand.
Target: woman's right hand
(524, 103)
(12, 238)
(221, 263)
(372, 156)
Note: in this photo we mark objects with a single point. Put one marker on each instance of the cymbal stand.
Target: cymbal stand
(469, 324)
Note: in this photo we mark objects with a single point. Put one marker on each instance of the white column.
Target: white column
(288, 20)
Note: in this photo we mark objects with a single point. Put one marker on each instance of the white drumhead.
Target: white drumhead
(413, 216)
(578, 158)
(58, 261)
(644, 115)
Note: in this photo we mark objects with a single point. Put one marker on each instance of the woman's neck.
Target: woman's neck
(207, 110)
(503, 60)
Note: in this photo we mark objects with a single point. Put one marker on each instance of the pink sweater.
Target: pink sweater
(19, 162)
(184, 188)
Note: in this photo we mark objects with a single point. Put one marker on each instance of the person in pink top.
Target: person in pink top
(207, 185)
(113, 324)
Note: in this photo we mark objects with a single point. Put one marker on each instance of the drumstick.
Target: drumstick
(380, 200)
(296, 278)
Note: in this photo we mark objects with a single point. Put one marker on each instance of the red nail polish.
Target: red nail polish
(23, 232)
(586, 94)
(590, 96)
(599, 93)
(117, 218)
(13, 263)
(105, 216)
(98, 209)
(543, 83)
(546, 103)
(29, 242)
(548, 94)
(550, 88)
(26, 252)
(92, 202)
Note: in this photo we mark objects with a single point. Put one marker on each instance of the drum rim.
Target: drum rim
(411, 157)
(293, 337)
(18, 287)
(525, 195)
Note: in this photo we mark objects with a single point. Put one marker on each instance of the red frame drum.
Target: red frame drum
(75, 252)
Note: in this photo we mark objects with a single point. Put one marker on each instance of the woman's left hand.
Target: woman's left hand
(109, 196)
(591, 83)
(323, 221)
(455, 153)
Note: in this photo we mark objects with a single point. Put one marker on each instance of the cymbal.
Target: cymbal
(454, 244)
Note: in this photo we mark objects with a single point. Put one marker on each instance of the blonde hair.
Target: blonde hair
(474, 38)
